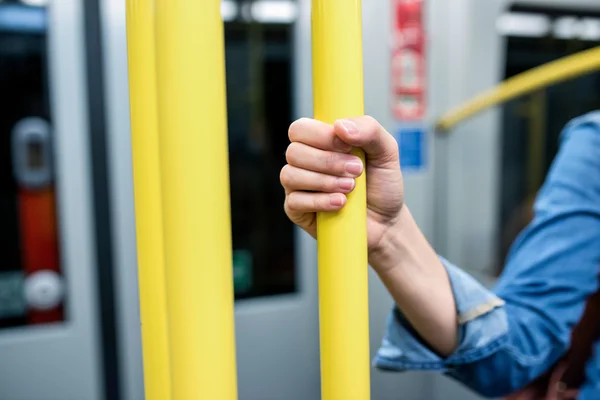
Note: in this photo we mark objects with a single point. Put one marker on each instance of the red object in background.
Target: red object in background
(39, 243)
(409, 64)
(38, 232)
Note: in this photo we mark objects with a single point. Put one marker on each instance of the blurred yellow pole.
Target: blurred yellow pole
(342, 236)
(195, 176)
(148, 204)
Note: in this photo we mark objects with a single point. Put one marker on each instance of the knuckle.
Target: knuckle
(331, 184)
(292, 130)
(290, 203)
(372, 126)
(295, 127)
(395, 150)
(320, 202)
(290, 153)
(330, 162)
(391, 148)
(290, 212)
(286, 206)
(289, 178)
(284, 175)
(317, 203)
(370, 120)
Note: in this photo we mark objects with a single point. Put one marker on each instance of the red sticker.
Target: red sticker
(408, 62)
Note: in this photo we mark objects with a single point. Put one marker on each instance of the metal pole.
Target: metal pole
(342, 236)
(148, 204)
(195, 176)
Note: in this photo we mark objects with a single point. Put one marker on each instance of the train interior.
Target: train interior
(69, 308)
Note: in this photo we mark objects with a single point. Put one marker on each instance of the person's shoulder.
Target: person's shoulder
(582, 135)
(579, 153)
(589, 122)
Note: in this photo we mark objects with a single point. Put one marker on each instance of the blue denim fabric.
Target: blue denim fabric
(512, 334)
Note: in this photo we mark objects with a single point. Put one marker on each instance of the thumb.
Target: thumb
(366, 133)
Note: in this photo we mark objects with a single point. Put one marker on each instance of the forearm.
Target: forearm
(416, 279)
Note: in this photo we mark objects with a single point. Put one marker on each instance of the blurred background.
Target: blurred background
(69, 311)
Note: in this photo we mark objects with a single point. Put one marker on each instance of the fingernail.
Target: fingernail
(354, 168)
(336, 200)
(338, 144)
(346, 183)
(350, 127)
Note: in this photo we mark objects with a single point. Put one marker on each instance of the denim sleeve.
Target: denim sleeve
(483, 329)
(551, 269)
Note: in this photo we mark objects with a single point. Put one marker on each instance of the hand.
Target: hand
(321, 171)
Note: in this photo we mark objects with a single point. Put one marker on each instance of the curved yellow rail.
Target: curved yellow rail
(548, 74)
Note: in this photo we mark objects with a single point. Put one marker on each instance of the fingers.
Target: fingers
(309, 158)
(365, 132)
(317, 134)
(298, 203)
(297, 179)
(319, 173)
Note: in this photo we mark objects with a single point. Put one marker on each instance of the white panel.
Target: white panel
(30, 356)
(468, 181)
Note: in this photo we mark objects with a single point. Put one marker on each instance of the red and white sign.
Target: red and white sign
(409, 64)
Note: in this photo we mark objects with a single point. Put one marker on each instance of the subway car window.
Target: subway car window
(259, 106)
(531, 125)
(30, 273)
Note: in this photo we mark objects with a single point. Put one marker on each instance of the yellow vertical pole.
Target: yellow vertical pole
(148, 204)
(342, 236)
(195, 184)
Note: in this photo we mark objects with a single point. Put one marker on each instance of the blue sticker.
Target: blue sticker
(412, 144)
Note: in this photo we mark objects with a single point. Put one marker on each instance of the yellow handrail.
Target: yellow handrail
(192, 119)
(148, 202)
(342, 236)
(548, 74)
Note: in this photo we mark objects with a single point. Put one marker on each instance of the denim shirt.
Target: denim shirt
(512, 334)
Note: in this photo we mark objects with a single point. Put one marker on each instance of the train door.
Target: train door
(274, 265)
(49, 337)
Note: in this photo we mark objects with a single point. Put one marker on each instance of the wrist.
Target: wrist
(387, 253)
(403, 246)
